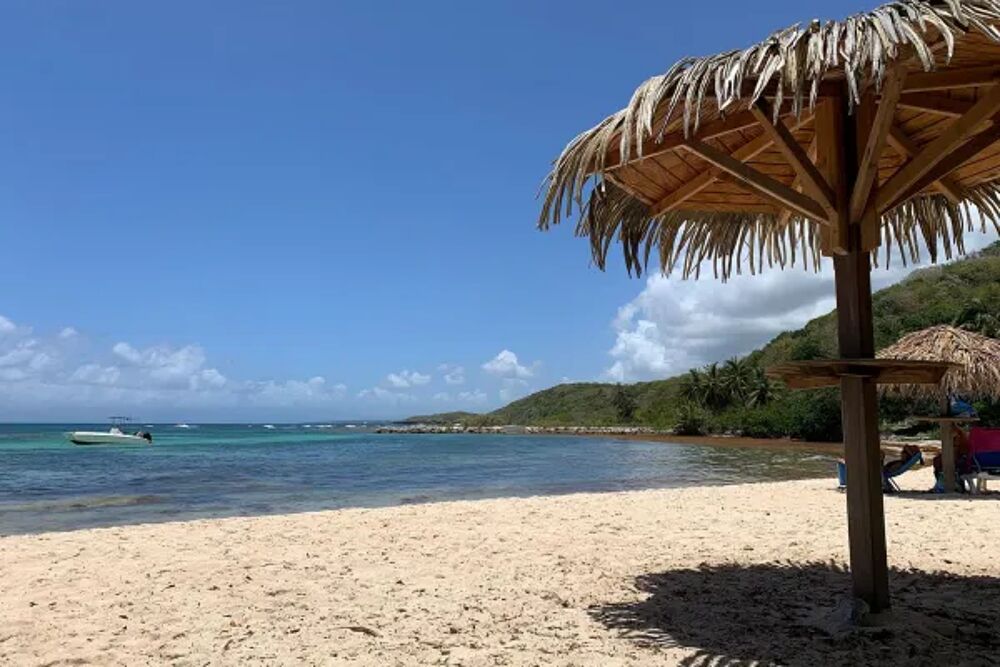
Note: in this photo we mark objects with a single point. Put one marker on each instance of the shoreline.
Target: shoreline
(574, 579)
(733, 441)
(647, 434)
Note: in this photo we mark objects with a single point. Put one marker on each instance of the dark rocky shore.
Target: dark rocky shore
(521, 430)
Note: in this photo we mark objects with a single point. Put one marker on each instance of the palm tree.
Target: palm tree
(761, 390)
(714, 392)
(737, 375)
(692, 387)
(977, 318)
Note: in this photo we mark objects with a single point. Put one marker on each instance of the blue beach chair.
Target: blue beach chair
(893, 469)
(897, 468)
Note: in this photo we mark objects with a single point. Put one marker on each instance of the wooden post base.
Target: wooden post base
(865, 513)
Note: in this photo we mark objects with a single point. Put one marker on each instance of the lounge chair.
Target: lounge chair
(983, 462)
(889, 471)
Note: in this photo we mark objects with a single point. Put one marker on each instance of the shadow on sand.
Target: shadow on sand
(798, 615)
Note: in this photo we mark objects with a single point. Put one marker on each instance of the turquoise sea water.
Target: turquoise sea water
(231, 470)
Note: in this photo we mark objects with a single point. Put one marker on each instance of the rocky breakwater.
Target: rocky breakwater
(518, 430)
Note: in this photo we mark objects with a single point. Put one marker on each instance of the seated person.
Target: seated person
(907, 453)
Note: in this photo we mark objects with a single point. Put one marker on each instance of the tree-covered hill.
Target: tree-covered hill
(966, 292)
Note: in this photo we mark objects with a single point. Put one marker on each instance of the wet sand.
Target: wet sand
(739, 573)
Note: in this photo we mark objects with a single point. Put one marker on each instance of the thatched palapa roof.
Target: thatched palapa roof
(649, 175)
(978, 358)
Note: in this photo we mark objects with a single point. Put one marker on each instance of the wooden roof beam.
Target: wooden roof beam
(733, 122)
(937, 150)
(875, 144)
(952, 161)
(698, 183)
(971, 77)
(672, 140)
(905, 146)
(786, 214)
(614, 180)
(786, 143)
(769, 187)
(937, 104)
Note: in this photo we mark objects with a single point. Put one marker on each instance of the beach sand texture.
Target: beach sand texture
(682, 576)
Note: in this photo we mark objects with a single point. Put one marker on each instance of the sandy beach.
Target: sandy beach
(738, 573)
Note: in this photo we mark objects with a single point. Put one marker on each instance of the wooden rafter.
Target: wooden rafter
(613, 178)
(706, 178)
(905, 146)
(952, 161)
(786, 214)
(716, 128)
(937, 150)
(972, 77)
(767, 186)
(875, 143)
(804, 168)
(937, 104)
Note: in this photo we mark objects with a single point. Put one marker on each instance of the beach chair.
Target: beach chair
(889, 484)
(983, 462)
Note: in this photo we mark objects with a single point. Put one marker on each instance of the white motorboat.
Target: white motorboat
(113, 436)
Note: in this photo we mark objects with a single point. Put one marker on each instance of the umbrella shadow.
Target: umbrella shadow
(798, 614)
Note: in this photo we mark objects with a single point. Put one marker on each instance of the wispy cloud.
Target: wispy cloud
(453, 375)
(405, 378)
(60, 371)
(506, 365)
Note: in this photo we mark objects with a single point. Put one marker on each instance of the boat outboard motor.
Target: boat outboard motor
(147, 436)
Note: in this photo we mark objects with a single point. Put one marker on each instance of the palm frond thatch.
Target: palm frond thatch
(792, 63)
(978, 357)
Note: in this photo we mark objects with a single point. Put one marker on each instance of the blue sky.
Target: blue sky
(309, 210)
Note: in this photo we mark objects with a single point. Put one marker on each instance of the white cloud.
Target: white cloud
(674, 324)
(506, 365)
(96, 374)
(474, 396)
(169, 367)
(453, 375)
(405, 379)
(59, 372)
(442, 397)
(314, 391)
(386, 396)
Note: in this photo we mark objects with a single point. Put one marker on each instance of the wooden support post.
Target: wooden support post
(859, 402)
(948, 479)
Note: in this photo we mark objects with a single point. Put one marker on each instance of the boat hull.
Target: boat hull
(98, 438)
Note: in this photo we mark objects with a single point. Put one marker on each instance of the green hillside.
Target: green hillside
(966, 292)
(444, 418)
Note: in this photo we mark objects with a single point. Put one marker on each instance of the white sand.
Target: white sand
(551, 580)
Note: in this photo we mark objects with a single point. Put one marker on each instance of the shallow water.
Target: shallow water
(235, 470)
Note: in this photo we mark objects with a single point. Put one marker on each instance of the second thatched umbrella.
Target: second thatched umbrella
(976, 374)
(976, 357)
